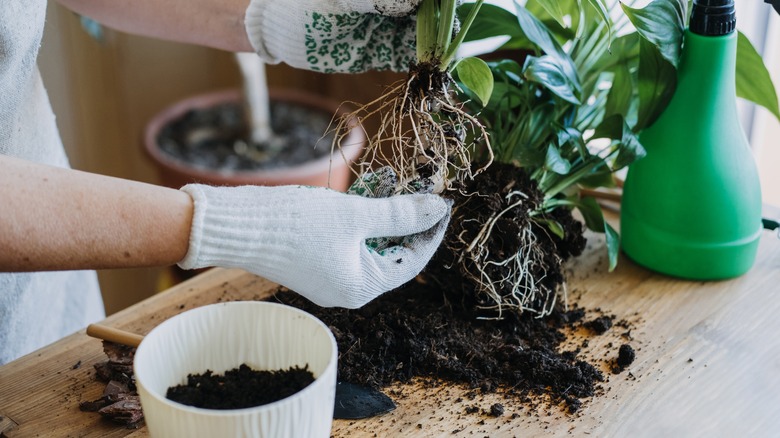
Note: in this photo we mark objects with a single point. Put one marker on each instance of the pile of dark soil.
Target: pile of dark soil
(417, 332)
(217, 138)
(440, 327)
(240, 388)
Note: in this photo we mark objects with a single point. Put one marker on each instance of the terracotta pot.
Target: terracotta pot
(323, 171)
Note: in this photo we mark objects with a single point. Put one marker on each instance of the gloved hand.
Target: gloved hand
(313, 240)
(345, 36)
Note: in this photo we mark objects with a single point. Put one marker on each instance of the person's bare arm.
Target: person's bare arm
(213, 23)
(58, 219)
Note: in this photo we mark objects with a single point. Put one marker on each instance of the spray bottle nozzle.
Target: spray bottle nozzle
(713, 17)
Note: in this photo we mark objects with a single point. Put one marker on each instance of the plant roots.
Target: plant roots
(424, 135)
(497, 255)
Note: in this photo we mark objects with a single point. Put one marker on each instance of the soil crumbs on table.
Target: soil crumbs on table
(239, 388)
(415, 332)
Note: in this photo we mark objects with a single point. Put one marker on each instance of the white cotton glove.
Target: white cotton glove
(313, 240)
(344, 36)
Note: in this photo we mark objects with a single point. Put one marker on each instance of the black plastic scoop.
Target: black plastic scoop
(354, 402)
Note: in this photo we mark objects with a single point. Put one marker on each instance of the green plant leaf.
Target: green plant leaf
(491, 21)
(610, 127)
(573, 136)
(624, 51)
(535, 31)
(602, 178)
(662, 23)
(553, 226)
(449, 55)
(547, 71)
(591, 213)
(613, 245)
(475, 74)
(509, 68)
(601, 9)
(620, 93)
(594, 220)
(553, 7)
(657, 79)
(559, 28)
(630, 149)
(555, 162)
(753, 80)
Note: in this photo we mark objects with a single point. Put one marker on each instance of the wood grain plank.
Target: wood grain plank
(708, 362)
(42, 391)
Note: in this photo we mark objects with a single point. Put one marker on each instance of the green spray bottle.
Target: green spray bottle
(692, 207)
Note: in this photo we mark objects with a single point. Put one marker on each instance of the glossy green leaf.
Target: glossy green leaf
(601, 9)
(548, 72)
(509, 68)
(657, 79)
(475, 75)
(555, 162)
(630, 149)
(602, 178)
(491, 21)
(610, 127)
(573, 136)
(553, 7)
(553, 226)
(753, 80)
(662, 23)
(613, 245)
(591, 213)
(535, 31)
(594, 220)
(624, 51)
(620, 93)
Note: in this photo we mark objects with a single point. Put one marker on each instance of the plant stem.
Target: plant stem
(446, 25)
(258, 112)
(435, 23)
(449, 55)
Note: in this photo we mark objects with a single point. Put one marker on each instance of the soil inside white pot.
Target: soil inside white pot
(217, 138)
(239, 388)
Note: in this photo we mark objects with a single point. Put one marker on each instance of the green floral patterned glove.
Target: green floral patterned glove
(334, 36)
(383, 183)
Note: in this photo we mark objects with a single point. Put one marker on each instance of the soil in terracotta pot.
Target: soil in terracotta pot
(242, 387)
(217, 138)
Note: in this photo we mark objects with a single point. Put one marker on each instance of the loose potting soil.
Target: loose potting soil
(217, 138)
(432, 329)
(416, 332)
(440, 326)
(239, 388)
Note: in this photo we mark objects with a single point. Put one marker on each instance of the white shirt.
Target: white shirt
(35, 308)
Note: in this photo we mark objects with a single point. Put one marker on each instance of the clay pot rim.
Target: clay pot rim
(350, 150)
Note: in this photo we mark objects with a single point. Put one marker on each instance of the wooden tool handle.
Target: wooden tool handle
(114, 335)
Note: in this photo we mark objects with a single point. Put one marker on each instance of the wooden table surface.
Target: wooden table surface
(708, 363)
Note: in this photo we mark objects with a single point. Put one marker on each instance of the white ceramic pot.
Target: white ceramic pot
(221, 337)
